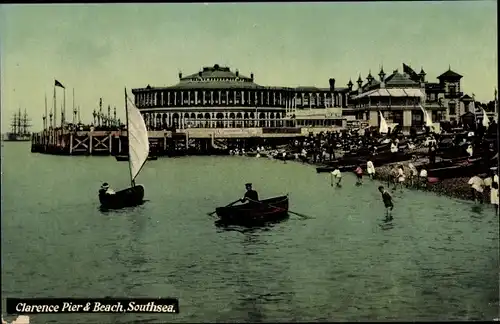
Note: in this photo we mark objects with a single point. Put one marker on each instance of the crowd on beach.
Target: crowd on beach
(328, 146)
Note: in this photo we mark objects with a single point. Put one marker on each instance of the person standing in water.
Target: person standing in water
(401, 176)
(370, 168)
(336, 174)
(359, 175)
(413, 174)
(387, 199)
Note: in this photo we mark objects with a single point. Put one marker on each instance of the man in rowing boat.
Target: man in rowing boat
(387, 199)
(105, 188)
(251, 196)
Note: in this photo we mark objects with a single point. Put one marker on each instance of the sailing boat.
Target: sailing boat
(383, 128)
(138, 151)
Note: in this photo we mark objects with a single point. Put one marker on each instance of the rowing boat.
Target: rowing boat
(268, 210)
(129, 197)
(342, 168)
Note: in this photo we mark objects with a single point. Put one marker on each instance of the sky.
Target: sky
(100, 49)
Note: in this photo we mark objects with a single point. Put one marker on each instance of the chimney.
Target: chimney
(237, 73)
(332, 84)
(199, 74)
(251, 76)
(180, 75)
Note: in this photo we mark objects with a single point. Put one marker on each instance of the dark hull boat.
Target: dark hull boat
(124, 198)
(342, 168)
(385, 158)
(269, 210)
(125, 158)
(464, 169)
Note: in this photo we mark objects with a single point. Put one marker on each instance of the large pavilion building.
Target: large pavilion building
(399, 98)
(217, 97)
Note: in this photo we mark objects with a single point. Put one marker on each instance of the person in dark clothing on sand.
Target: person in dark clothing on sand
(251, 196)
(387, 199)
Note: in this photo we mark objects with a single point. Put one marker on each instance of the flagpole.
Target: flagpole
(55, 106)
(474, 105)
(46, 116)
(63, 113)
(74, 111)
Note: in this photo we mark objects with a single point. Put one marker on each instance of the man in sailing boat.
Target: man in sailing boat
(106, 189)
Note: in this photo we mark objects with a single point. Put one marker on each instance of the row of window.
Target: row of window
(162, 99)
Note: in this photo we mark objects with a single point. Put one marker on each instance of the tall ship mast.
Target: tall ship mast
(20, 127)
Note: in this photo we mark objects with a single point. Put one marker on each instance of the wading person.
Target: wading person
(494, 196)
(359, 175)
(370, 168)
(413, 174)
(251, 196)
(493, 186)
(336, 176)
(387, 199)
(401, 176)
(477, 188)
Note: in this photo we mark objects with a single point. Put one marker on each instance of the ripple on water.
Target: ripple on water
(437, 261)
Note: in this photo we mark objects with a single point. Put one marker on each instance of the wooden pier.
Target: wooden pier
(184, 141)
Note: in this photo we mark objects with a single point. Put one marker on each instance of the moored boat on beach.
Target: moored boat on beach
(342, 168)
(465, 168)
(268, 210)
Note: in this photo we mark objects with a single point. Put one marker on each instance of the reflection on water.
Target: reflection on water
(438, 261)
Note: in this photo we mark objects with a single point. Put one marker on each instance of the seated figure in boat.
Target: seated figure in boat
(251, 196)
(106, 189)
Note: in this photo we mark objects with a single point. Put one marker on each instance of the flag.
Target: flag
(413, 75)
(59, 84)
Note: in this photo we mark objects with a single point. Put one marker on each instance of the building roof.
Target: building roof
(391, 92)
(215, 77)
(397, 79)
(449, 75)
(466, 97)
(374, 84)
(222, 78)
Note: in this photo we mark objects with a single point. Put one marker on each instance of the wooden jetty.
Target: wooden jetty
(193, 140)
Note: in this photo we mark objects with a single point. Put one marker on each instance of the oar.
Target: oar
(289, 211)
(234, 202)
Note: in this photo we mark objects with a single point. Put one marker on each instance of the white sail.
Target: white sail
(474, 107)
(486, 119)
(384, 128)
(138, 142)
(427, 117)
